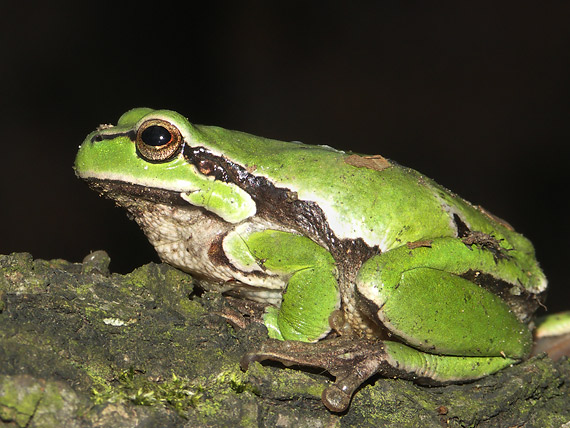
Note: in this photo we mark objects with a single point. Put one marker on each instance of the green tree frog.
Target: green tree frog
(365, 266)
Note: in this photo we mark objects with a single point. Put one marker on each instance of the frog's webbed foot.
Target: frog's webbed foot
(351, 361)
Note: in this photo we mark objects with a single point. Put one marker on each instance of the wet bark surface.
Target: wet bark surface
(81, 347)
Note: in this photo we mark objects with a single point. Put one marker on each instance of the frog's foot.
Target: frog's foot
(351, 361)
(240, 313)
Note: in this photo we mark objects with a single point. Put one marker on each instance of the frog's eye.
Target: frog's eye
(158, 140)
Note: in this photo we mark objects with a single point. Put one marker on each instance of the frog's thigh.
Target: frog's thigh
(442, 313)
(312, 290)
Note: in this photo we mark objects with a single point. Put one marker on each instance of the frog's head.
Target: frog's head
(159, 152)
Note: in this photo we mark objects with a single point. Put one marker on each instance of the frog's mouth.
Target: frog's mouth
(122, 192)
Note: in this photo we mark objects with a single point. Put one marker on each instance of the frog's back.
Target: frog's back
(367, 197)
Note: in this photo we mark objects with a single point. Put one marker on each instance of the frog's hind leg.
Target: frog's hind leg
(353, 361)
(414, 295)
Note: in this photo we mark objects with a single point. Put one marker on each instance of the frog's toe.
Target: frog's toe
(335, 399)
(275, 350)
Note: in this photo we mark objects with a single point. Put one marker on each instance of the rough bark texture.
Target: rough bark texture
(80, 347)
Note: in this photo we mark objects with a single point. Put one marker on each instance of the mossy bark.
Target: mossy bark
(80, 347)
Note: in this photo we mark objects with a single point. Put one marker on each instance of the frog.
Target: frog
(364, 267)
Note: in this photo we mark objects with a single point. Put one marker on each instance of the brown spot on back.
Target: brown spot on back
(417, 244)
(375, 162)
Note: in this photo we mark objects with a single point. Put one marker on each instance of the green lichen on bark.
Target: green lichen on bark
(82, 347)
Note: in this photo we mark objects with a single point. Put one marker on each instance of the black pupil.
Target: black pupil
(156, 136)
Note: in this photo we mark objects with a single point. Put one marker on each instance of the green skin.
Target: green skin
(449, 288)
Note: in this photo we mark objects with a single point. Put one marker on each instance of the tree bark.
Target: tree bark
(80, 347)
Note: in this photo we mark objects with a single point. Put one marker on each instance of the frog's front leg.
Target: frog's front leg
(312, 292)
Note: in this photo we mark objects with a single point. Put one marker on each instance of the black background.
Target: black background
(475, 96)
